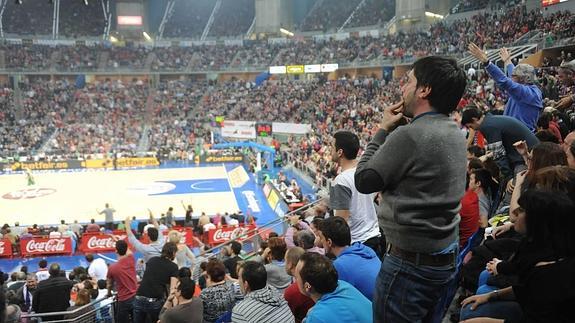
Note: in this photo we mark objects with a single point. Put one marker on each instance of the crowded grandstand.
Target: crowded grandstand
(287, 161)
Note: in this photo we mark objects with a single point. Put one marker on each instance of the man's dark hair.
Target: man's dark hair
(336, 229)
(469, 113)
(488, 185)
(216, 270)
(54, 270)
(255, 274)
(348, 142)
(43, 263)
(62, 222)
(236, 247)
(446, 79)
(476, 151)
(546, 136)
(89, 257)
(475, 163)
(278, 248)
(187, 288)
(319, 272)
(153, 234)
(169, 250)
(121, 247)
(544, 119)
(184, 272)
(92, 221)
(101, 284)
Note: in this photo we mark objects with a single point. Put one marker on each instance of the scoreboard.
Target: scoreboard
(264, 129)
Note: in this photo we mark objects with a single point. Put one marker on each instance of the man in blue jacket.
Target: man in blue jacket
(525, 98)
(335, 300)
(356, 263)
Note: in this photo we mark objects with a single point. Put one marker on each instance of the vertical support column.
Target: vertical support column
(3, 6)
(167, 15)
(56, 20)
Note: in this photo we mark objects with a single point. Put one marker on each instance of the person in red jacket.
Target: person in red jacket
(297, 302)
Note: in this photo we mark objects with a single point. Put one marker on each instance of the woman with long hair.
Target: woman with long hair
(542, 155)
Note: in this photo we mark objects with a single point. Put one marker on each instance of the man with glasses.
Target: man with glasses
(525, 98)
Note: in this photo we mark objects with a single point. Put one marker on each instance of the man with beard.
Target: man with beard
(23, 296)
(419, 169)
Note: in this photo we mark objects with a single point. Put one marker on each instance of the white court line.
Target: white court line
(231, 187)
(107, 258)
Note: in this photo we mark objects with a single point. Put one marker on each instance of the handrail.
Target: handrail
(113, 297)
(254, 232)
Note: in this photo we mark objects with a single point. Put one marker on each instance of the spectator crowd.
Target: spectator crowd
(490, 29)
(446, 184)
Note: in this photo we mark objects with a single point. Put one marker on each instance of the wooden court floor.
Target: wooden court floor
(79, 195)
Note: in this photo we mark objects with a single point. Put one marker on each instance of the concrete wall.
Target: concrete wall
(273, 14)
(534, 60)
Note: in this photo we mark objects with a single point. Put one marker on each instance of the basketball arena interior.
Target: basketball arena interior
(287, 161)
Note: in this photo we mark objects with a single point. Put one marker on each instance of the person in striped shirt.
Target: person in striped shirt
(262, 302)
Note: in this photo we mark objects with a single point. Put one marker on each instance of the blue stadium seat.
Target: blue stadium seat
(227, 317)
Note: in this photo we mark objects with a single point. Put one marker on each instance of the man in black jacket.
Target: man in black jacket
(53, 294)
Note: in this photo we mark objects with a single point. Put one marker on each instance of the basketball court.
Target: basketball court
(79, 195)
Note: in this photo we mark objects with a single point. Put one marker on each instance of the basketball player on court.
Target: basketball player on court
(29, 177)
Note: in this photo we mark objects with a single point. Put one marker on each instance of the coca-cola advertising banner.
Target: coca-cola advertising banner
(5, 248)
(46, 246)
(100, 242)
(221, 235)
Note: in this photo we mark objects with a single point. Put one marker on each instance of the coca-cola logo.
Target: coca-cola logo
(52, 245)
(29, 193)
(104, 242)
(101, 243)
(225, 235)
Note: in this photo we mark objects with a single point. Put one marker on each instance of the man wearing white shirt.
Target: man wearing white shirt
(76, 228)
(42, 273)
(18, 230)
(98, 268)
(63, 227)
(356, 208)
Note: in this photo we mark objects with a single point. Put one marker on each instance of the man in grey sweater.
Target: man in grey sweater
(419, 168)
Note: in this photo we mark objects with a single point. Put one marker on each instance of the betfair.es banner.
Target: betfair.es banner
(235, 158)
(121, 162)
(44, 165)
